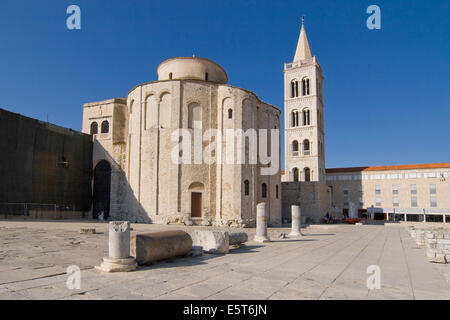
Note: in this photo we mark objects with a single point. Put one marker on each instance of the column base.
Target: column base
(117, 265)
(261, 239)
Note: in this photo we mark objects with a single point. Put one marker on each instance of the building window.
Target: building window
(377, 189)
(361, 202)
(230, 113)
(306, 115)
(294, 88)
(276, 191)
(105, 126)
(305, 87)
(306, 147)
(433, 202)
(413, 201)
(395, 201)
(170, 76)
(295, 174)
(395, 189)
(378, 202)
(345, 190)
(413, 189)
(94, 128)
(206, 76)
(432, 189)
(264, 190)
(295, 148)
(246, 187)
(294, 118)
(307, 173)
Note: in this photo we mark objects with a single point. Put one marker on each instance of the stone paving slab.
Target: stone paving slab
(329, 262)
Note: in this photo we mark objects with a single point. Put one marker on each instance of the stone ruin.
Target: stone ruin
(126, 251)
(435, 241)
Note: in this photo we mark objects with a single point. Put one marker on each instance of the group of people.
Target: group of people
(329, 218)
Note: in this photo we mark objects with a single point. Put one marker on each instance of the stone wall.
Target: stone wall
(436, 242)
(42, 163)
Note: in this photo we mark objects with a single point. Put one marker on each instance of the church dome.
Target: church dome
(191, 68)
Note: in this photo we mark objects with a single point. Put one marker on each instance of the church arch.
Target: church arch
(102, 189)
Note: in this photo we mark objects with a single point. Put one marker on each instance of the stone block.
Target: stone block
(87, 231)
(237, 238)
(431, 255)
(148, 248)
(212, 241)
(440, 258)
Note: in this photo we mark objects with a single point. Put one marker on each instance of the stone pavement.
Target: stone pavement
(329, 262)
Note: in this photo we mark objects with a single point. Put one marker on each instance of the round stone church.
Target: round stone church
(137, 143)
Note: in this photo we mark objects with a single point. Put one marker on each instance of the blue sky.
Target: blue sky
(386, 92)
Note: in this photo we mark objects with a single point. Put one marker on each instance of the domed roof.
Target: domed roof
(191, 68)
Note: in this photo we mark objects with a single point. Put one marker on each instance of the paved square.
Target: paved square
(329, 262)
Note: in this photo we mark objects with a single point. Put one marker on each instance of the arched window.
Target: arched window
(264, 190)
(294, 88)
(295, 148)
(306, 147)
(306, 115)
(307, 173)
(295, 174)
(206, 76)
(294, 118)
(246, 187)
(230, 113)
(105, 126)
(305, 87)
(170, 76)
(276, 191)
(194, 116)
(94, 128)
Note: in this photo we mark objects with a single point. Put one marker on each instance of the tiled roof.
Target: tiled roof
(397, 167)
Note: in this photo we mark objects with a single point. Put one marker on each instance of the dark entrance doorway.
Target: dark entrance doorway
(102, 189)
(196, 204)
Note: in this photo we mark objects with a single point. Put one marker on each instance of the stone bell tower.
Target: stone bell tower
(303, 114)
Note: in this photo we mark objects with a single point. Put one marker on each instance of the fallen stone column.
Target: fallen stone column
(119, 259)
(212, 241)
(237, 238)
(148, 248)
(295, 211)
(261, 223)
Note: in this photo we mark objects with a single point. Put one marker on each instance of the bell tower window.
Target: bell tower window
(305, 87)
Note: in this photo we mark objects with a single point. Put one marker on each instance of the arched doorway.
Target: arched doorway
(102, 189)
